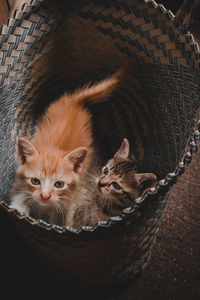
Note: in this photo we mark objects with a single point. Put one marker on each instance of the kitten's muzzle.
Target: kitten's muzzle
(101, 184)
(45, 197)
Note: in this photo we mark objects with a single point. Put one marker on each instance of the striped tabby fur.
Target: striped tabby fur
(117, 187)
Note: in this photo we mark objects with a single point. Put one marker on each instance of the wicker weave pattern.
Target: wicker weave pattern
(188, 12)
(150, 37)
(155, 108)
(18, 50)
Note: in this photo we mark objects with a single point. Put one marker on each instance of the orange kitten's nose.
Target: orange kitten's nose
(45, 196)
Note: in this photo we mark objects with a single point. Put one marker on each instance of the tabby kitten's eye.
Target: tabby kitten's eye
(35, 181)
(59, 184)
(116, 186)
(105, 171)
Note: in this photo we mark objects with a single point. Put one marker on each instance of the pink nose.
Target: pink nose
(45, 196)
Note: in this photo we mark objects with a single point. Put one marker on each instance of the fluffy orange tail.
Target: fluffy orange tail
(98, 92)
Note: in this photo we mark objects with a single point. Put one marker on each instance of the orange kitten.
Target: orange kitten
(52, 163)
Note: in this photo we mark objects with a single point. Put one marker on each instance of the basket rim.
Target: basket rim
(161, 189)
(163, 186)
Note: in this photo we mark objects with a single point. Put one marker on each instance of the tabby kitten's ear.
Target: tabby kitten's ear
(25, 150)
(76, 158)
(123, 151)
(145, 180)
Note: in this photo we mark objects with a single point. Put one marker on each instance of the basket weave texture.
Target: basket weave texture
(49, 48)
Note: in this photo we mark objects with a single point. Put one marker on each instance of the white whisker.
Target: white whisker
(63, 208)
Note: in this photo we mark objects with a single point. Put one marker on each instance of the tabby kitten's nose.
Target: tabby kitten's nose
(100, 184)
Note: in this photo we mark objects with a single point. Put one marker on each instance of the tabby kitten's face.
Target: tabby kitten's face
(119, 180)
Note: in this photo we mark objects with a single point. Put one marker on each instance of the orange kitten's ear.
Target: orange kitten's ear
(25, 149)
(76, 158)
(145, 180)
(98, 92)
(123, 151)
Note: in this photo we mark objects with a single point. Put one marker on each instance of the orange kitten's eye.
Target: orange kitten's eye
(59, 184)
(35, 181)
(105, 171)
(116, 186)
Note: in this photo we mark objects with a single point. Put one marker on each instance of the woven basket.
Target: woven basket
(48, 48)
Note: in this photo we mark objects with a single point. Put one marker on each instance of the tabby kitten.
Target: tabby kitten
(117, 187)
(51, 164)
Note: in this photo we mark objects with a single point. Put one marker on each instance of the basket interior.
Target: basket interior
(157, 99)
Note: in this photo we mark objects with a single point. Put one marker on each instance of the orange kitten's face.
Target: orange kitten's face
(49, 174)
(48, 178)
